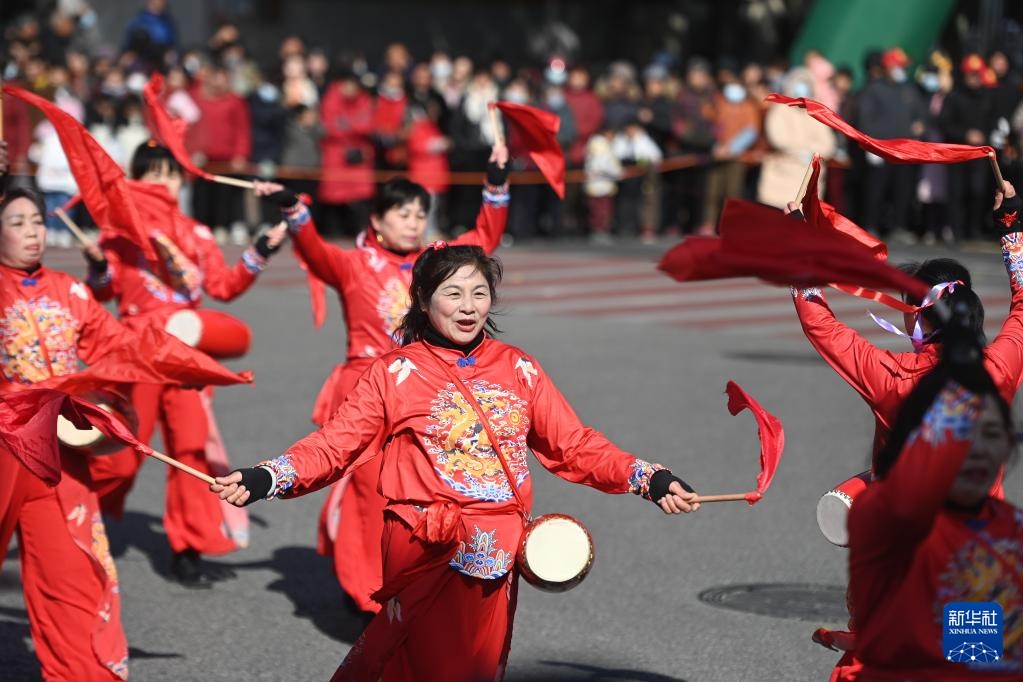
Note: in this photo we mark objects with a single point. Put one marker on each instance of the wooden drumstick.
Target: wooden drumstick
(806, 182)
(205, 478)
(997, 171)
(736, 497)
(75, 230)
(498, 133)
(225, 180)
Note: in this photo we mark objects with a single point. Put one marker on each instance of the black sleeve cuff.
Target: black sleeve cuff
(496, 175)
(257, 481)
(661, 481)
(1007, 218)
(284, 198)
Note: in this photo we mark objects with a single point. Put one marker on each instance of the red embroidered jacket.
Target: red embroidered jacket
(191, 263)
(49, 322)
(884, 378)
(437, 462)
(373, 282)
(909, 556)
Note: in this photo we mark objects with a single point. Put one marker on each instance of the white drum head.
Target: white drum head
(558, 550)
(832, 515)
(73, 437)
(186, 325)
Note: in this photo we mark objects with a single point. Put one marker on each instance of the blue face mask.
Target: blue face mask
(734, 93)
(930, 82)
(801, 89)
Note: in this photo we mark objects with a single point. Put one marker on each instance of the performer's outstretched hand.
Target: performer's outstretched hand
(230, 489)
(678, 500)
(271, 241)
(94, 257)
(499, 154)
(276, 192)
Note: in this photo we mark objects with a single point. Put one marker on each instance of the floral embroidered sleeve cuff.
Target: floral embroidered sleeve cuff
(296, 216)
(496, 195)
(1012, 256)
(807, 294)
(252, 261)
(640, 477)
(283, 475)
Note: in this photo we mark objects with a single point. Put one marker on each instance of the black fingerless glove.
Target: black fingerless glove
(263, 247)
(496, 175)
(284, 198)
(661, 481)
(97, 268)
(257, 481)
(1007, 215)
(797, 214)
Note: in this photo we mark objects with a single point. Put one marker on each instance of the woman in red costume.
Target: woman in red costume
(927, 531)
(884, 378)
(50, 321)
(453, 519)
(372, 281)
(190, 264)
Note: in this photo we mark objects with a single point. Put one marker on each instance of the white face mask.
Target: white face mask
(516, 96)
(801, 89)
(734, 93)
(898, 74)
(441, 70)
(267, 92)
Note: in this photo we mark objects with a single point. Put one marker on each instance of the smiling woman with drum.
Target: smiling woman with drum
(453, 523)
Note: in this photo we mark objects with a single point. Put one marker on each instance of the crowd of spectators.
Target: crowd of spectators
(652, 152)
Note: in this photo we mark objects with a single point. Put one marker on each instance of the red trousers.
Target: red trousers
(352, 517)
(193, 518)
(441, 625)
(67, 573)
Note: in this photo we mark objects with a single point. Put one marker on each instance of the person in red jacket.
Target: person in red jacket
(222, 135)
(347, 151)
(48, 322)
(147, 295)
(927, 532)
(884, 379)
(372, 282)
(454, 516)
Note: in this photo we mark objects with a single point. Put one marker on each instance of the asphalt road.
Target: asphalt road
(731, 593)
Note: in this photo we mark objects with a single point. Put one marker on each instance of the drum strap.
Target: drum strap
(485, 423)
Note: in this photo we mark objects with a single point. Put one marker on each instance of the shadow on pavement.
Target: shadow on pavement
(798, 601)
(136, 653)
(308, 581)
(591, 673)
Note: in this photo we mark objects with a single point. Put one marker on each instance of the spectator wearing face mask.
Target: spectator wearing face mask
(932, 190)
(890, 107)
(737, 129)
(966, 118)
(389, 116)
(794, 138)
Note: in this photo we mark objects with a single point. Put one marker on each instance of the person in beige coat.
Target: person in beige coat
(794, 138)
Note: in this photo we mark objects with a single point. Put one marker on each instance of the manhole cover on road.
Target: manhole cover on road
(816, 603)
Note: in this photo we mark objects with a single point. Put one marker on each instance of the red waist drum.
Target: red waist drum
(833, 507)
(213, 332)
(91, 441)
(556, 552)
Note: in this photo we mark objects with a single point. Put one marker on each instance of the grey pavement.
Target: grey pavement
(653, 383)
